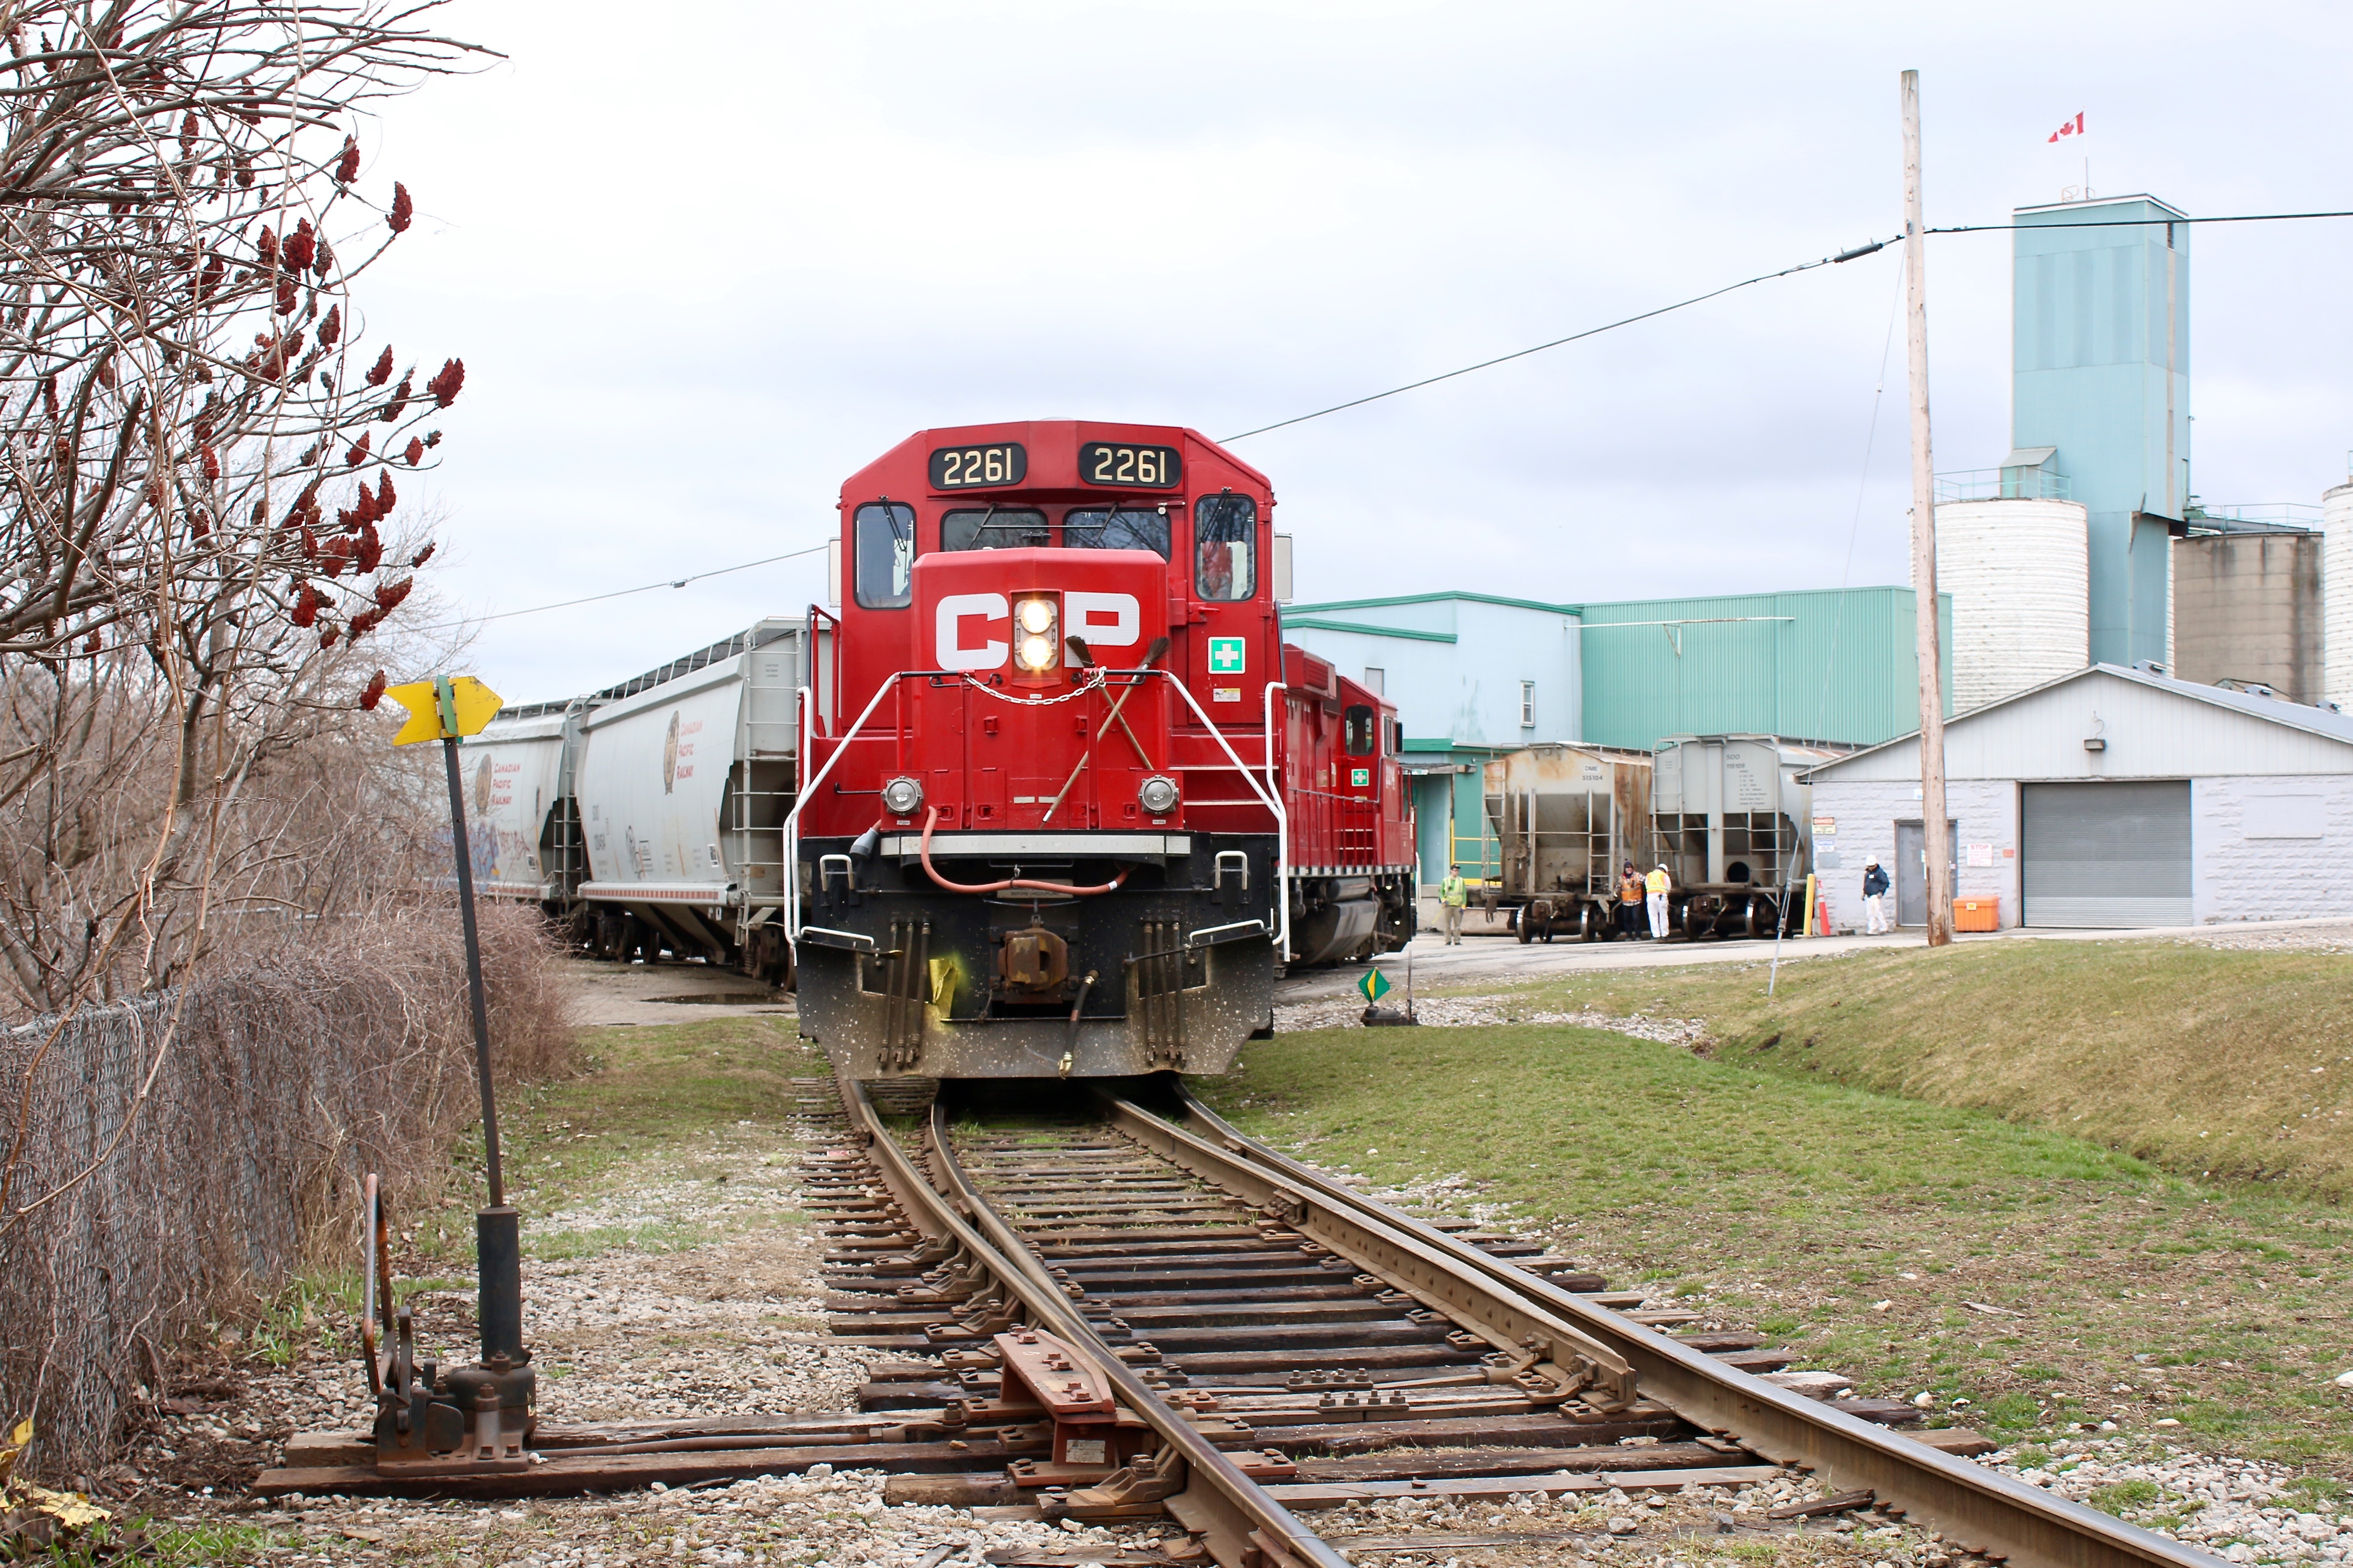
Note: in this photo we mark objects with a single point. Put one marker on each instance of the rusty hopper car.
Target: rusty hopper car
(1568, 817)
(1063, 807)
(1733, 830)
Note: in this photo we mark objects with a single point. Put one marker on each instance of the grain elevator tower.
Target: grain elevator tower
(2100, 392)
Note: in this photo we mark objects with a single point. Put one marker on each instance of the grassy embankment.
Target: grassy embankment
(1857, 1218)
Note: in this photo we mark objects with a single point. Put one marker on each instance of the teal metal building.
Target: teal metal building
(1474, 676)
(2100, 398)
(1833, 666)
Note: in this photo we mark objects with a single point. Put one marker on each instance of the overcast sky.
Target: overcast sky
(704, 260)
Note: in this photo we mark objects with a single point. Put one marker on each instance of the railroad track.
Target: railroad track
(1120, 1313)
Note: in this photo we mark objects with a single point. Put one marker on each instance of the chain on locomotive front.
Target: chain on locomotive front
(1040, 832)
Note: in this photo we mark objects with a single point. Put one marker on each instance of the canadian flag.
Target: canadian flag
(2069, 128)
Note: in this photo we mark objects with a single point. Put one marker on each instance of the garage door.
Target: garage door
(2107, 853)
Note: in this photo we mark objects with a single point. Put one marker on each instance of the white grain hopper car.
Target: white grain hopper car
(520, 827)
(1735, 830)
(679, 784)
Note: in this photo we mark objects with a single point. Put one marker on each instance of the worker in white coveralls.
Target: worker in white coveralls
(1655, 887)
(1875, 900)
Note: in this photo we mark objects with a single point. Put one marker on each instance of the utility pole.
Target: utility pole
(1936, 838)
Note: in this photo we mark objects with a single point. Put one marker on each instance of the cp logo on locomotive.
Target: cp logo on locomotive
(1103, 621)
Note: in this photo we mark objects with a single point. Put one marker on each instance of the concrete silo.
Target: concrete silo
(2019, 571)
(2336, 595)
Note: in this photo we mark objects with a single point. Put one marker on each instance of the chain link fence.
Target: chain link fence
(171, 1161)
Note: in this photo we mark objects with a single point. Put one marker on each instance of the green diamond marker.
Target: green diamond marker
(1374, 985)
(1225, 656)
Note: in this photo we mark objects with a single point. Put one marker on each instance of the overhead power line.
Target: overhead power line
(1860, 250)
(2133, 222)
(1573, 337)
(625, 592)
(1766, 278)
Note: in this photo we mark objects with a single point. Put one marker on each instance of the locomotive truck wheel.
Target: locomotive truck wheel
(1586, 930)
(1520, 926)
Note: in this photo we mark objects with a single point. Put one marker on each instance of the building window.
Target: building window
(1376, 680)
(1527, 704)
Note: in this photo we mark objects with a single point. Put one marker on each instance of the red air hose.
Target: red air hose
(931, 819)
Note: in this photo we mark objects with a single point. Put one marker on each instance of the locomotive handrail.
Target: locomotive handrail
(1271, 800)
(1282, 828)
(808, 793)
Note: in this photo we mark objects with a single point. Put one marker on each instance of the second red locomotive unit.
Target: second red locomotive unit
(1065, 799)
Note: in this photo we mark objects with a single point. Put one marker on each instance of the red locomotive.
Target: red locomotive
(1067, 797)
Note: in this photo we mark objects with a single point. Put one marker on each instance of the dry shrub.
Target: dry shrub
(178, 1157)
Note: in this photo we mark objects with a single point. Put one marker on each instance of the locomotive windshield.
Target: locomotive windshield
(885, 537)
(994, 527)
(1357, 731)
(1224, 546)
(1129, 528)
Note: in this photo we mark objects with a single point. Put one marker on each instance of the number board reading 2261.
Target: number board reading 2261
(969, 468)
(1115, 463)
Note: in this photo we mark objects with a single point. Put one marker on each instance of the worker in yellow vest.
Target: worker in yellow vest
(1452, 894)
(1655, 886)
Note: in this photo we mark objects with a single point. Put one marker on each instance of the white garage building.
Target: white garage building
(2108, 797)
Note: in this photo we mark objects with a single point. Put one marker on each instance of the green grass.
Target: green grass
(645, 1093)
(2217, 1064)
(151, 1542)
(1790, 1198)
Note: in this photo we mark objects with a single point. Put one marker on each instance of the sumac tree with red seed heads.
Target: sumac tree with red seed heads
(444, 386)
(174, 204)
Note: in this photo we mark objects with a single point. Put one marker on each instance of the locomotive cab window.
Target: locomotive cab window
(1224, 546)
(1358, 731)
(995, 527)
(883, 534)
(1128, 528)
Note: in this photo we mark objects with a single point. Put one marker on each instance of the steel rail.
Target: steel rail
(1241, 1524)
(1979, 1510)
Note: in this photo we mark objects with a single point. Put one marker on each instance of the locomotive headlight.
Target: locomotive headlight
(1158, 795)
(902, 797)
(1036, 647)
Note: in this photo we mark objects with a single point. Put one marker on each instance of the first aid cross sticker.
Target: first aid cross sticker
(1225, 656)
